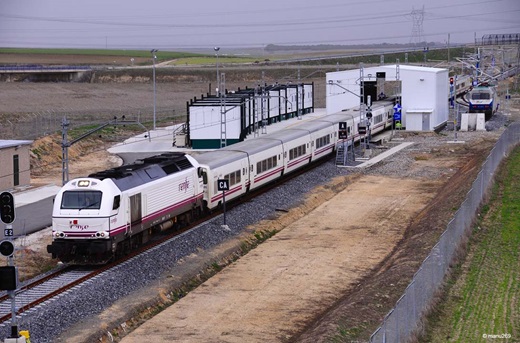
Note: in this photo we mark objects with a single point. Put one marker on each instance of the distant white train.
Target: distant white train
(483, 99)
(110, 213)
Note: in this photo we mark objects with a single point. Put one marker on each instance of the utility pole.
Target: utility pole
(223, 115)
(449, 62)
(154, 57)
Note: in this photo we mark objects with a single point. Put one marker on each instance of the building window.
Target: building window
(16, 170)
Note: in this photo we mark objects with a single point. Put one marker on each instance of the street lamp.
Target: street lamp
(154, 57)
(218, 81)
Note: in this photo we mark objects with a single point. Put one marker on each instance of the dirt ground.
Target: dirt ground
(274, 291)
(341, 260)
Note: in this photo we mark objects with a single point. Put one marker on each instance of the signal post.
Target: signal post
(9, 273)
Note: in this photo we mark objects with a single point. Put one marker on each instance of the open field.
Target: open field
(482, 301)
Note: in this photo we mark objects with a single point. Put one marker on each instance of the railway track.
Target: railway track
(58, 282)
(39, 291)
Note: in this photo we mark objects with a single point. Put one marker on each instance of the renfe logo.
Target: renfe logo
(73, 225)
(184, 186)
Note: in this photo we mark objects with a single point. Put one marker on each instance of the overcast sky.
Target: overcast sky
(174, 24)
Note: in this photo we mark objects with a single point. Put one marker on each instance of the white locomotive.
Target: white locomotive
(109, 213)
(483, 99)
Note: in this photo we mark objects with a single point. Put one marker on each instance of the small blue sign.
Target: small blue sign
(397, 112)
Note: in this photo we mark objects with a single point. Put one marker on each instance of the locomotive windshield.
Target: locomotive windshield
(81, 200)
(480, 96)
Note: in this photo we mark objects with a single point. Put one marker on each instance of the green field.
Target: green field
(178, 58)
(482, 298)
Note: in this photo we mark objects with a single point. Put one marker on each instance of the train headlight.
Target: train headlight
(83, 183)
(58, 234)
(102, 234)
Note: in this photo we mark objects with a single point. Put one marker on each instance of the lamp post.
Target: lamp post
(154, 57)
(218, 81)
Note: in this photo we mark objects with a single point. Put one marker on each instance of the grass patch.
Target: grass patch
(211, 60)
(482, 296)
(421, 157)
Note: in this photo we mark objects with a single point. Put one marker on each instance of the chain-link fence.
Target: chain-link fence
(401, 322)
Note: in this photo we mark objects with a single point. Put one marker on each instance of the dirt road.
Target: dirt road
(276, 289)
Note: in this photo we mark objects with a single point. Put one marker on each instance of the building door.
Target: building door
(16, 170)
(426, 122)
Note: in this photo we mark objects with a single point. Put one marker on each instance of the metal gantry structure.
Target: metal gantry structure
(490, 61)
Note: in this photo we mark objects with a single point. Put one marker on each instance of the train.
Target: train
(483, 99)
(110, 213)
(462, 84)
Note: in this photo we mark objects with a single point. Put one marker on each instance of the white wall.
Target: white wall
(205, 122)
(422, 88)
(308, 100)
(342, 90)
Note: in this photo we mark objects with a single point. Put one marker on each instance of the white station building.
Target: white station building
(424, 101)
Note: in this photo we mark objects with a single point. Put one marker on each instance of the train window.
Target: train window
(480, 96)
(204, 177)
(320, 142)
(238, 176)
(232, 179)
(81, 200)
(266, 164)
(117, 201)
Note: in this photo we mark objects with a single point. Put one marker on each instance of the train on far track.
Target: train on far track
(110, 213)
(483, 99)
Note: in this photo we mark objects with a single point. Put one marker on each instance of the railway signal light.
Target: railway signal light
(451, 80)
(6, 248)
(8, 278)
(7, 207)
